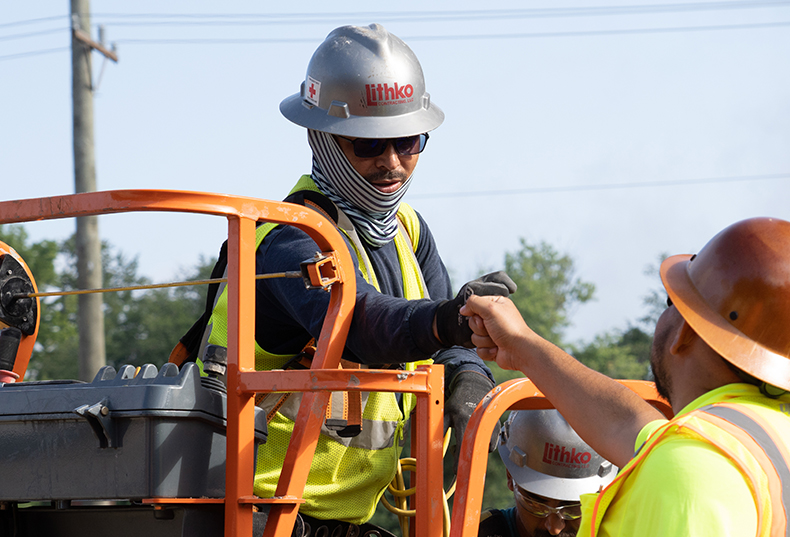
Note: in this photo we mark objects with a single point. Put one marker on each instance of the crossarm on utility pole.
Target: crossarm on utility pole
(83, 37)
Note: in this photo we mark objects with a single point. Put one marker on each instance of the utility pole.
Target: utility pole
(90, 318)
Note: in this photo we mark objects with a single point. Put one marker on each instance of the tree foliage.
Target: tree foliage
(619, 355)
(39, 256)
(626, 354)
(547, 288)
(140, 326)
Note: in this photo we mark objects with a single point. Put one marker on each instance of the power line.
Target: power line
(33, 21)
(418, 16)
(31, 34)
(421, 16)
(219, 41)
(33, 53)
(431, 16)
(606, 32)
(595, 33)
(462, 37)
(609, 186)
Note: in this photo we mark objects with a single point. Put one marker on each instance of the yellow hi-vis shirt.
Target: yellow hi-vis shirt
(690, 478)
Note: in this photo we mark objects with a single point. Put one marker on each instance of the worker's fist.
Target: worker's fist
(500, 332)
(452, 327)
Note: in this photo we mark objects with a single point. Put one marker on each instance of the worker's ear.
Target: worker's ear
(683, 339)
(510, 483)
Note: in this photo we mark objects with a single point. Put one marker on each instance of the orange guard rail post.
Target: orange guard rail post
(516, 394)
(243, 381)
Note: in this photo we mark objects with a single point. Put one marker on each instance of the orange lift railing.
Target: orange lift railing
(332, 270)
(516, 394)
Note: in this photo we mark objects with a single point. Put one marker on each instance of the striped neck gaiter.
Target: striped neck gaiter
(373, 213)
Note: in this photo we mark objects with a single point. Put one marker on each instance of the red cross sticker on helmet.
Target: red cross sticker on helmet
(312, 90)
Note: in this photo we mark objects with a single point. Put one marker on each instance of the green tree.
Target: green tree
(140, 326)
(39, 256)
(620, 355)
(625, 354)
(58, 336)
(547, 288)
(166, 314)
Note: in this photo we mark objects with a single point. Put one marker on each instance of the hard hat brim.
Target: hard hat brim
(296, 110)
(558, 488)
(732, 344)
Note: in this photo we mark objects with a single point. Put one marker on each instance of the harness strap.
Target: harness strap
(352, 408)
(344, 409)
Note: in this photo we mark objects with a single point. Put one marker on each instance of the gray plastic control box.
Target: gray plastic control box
(121, 436)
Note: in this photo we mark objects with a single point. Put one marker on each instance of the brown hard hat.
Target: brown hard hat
(735, 294)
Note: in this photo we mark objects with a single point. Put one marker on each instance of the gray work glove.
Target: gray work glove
(452, 327)
(467, 390)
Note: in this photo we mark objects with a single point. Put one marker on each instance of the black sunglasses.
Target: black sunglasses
(373, 147)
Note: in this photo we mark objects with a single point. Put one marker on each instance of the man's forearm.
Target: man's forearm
(606, 414)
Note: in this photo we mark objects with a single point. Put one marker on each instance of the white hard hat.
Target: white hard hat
(363, 82)
(545, 456)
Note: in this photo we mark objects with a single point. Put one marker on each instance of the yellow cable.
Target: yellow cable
(403, 503)
(400, 493)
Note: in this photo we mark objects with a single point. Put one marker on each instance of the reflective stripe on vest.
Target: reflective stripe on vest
(348, 475)
(731, 428)
(741, 422)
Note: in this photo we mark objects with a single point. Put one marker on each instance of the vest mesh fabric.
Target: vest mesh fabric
(345, 483)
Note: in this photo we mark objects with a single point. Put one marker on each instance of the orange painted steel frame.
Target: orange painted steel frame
(516, 394)
(243, 381)
(27, 343)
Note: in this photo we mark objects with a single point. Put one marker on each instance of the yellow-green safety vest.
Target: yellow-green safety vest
(348, 475)
(748, 435)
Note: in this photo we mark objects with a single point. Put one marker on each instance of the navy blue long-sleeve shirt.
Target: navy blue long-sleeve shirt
(386, 328)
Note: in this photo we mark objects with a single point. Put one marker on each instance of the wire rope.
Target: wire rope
(287, 274)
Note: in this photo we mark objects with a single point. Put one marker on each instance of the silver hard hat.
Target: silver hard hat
(545, 456)
(363, 82)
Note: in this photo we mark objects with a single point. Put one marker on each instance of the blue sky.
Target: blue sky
(613, 130)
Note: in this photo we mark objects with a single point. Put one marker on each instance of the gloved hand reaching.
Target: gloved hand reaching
(452, 327)
(467, 390)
